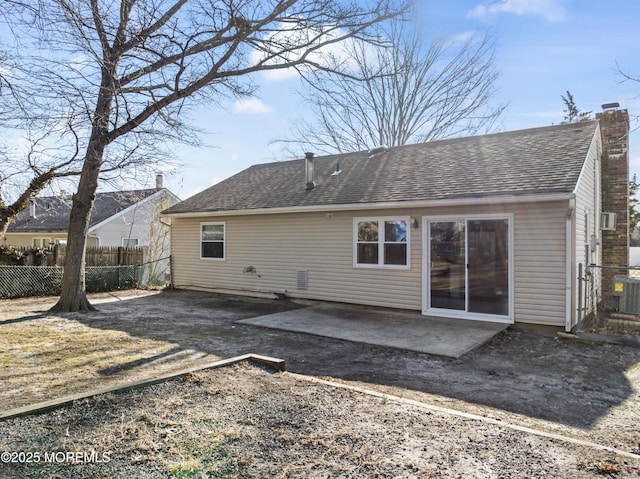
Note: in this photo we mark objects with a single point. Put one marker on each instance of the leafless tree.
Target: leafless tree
(626, 76)
(413, 91)
(572, 114)
(124, 72)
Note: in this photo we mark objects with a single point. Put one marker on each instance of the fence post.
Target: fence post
(579, 293)
(120, 256)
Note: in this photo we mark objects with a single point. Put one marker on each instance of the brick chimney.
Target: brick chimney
(614, 129)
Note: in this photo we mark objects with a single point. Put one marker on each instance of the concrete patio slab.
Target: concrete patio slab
(411, 331)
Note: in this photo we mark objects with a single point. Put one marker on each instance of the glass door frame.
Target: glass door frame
(426, 268)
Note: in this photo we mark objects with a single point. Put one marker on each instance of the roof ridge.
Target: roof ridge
(537, 160)
(59, 196)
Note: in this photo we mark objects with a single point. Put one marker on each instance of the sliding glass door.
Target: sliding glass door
(468, 269)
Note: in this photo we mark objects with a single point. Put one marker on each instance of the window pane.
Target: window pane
(368, 231)
(213, 250)
(367, 253)
(395, 253)
(212, 232)
(448, 263)
(395, 231)
(488, 266)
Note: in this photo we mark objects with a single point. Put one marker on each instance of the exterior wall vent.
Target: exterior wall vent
(302, 278)
(608, 221)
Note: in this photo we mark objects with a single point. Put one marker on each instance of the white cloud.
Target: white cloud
(286, 38)
(251, 106)
(5, 71)
(463, 37)
(280, 74)
(542, 114)
(550, 10)
(78, 62)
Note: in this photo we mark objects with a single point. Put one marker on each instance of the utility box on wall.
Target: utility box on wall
(628, 290)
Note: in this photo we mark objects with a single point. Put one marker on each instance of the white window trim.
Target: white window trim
(224, 240)
(42, 241)
(130, 239)
(381, 242)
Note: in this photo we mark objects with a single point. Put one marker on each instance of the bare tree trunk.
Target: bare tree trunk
(73, 296)
(149, 59)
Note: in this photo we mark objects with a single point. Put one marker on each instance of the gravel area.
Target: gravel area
(246, 422)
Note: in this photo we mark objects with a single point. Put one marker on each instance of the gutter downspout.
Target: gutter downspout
(569, 266)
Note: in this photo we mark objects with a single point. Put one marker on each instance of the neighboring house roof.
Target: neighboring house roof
(52, 212)
(543, 160)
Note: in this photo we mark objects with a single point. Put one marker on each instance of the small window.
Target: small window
(381, 242)
(212, 239)
(41, 242)
(129, 242)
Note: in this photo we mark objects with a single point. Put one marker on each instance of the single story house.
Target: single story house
(118, 218)
(489, 227)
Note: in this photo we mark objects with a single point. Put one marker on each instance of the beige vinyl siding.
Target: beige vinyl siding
(587, 224)
(26, 239)
(539, 257)
(276, 245)
(540, 264)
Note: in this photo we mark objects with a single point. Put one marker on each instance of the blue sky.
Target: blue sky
(543, 49)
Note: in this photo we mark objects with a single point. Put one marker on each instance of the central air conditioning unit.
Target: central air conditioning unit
(608, 221)
(627, 288)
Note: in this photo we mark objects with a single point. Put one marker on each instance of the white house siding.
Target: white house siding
(140, 222)
(132, 224)
(276, 245)
(587, 224)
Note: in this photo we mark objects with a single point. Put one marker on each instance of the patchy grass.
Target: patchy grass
(45, 359)
(46, 356)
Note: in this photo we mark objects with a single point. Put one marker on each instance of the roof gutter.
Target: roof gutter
(491, 200)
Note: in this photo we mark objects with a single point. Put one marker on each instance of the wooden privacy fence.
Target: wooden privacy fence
(114, 256)
(54, 256)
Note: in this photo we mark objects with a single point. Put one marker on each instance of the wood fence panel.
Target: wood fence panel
(54, 256)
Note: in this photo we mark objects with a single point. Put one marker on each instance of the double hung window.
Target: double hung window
(212, 240)
(381, 242)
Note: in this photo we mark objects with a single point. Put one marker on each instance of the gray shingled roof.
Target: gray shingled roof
(52, 212)
(524, 162)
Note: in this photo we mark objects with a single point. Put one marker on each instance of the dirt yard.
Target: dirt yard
(243, 422)
(246, 422)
